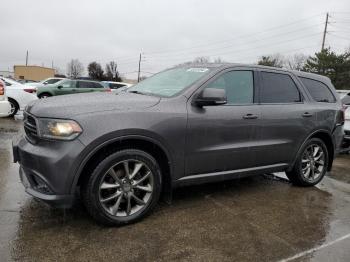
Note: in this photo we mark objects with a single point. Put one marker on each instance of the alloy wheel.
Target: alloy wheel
(126, 188)
(313, 163)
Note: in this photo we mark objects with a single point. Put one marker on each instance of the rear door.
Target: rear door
(286, 118)
(219, 138)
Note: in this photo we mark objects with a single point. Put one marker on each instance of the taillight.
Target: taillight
(342, 114)
(30, 90)
(2, 89)
(108, 90)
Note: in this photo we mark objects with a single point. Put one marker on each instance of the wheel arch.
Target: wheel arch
(326, 137)
(147, 144)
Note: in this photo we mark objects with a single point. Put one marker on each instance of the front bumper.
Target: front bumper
(47, 169)
(5, 108)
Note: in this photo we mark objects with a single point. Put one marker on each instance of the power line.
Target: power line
(258, 47)
(234, 45)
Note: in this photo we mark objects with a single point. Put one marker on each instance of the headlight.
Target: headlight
(58, 129)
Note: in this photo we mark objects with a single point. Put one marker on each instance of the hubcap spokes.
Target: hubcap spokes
(13, 108)
(312, 162)
(126, 188)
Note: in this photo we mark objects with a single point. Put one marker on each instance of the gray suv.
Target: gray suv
(186, 125)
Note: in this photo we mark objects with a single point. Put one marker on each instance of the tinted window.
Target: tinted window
(239, 86)
(51, 81)
(115, 86)
(97, 85)
(318, 90)
(83, 84)
(66, 84)
(278, 88)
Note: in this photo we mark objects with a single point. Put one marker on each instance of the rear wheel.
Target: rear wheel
(14, 107)
(311, 164)
(123, 188)
(44, 95)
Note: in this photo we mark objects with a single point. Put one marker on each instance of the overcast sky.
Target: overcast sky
(166, 32)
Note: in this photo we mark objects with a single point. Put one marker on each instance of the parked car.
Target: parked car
(23, 81)
(69, 86)
(48, 81)
(345, 98)
(116, 86)
(18, 95)
(186, 125)
(5, 107)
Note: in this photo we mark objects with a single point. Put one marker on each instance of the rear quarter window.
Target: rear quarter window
(319, 91)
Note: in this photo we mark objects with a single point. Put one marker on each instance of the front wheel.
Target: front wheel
(311, 164)
(123, 188)
(14, 107)
(44, 95)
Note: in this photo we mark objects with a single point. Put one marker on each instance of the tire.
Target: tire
(311, 164)
(108, 184)
(14, 107)
(44, 95)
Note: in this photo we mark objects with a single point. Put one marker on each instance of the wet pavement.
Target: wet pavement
(261, 218)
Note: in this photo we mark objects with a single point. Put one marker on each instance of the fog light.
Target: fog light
(41, 186)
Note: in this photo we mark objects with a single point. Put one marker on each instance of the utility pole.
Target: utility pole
(138, 75)
(324, 32)
(27, 59)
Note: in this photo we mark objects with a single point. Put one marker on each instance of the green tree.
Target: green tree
(95, 71)
(271, 60)
(335, 66)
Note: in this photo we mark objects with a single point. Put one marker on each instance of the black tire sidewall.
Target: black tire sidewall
(298, 167)
(95, 180)
(44, 95)
(13, 102)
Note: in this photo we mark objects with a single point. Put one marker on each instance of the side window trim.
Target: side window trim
(301, 95)
(254, 75)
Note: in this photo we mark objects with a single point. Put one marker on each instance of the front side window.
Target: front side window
(239, 86)
(318, 90)
(66, 83)
(51, 81)
(170, 82)
(278, 88)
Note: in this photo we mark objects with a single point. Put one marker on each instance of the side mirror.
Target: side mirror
(211, 97)
(60, 87)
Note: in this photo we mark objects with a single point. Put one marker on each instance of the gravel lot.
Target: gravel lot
(262, 218)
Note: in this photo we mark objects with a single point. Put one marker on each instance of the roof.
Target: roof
(228, 65)
(33, 66)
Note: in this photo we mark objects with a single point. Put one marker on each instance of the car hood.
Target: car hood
(67, 106)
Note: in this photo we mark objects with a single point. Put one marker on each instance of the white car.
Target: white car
(115, 86)
(48, 81)
(18, 95)
(5, 107)
(345, 98)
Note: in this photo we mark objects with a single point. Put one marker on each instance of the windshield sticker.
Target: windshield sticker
(197, 70)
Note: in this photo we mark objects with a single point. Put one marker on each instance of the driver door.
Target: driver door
(220, 137)
(66, 87)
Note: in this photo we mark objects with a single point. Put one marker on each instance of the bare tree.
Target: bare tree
(296, 62)
(201, 60)
(75, 68)
(112, 73)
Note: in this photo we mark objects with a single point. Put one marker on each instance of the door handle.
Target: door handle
(307, 114)
(250, 116)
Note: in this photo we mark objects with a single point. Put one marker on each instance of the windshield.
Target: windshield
(169, 82)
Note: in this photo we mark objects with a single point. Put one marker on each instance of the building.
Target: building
(36, 73)
(8, 74)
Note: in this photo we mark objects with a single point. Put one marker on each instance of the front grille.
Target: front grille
(30, 127)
